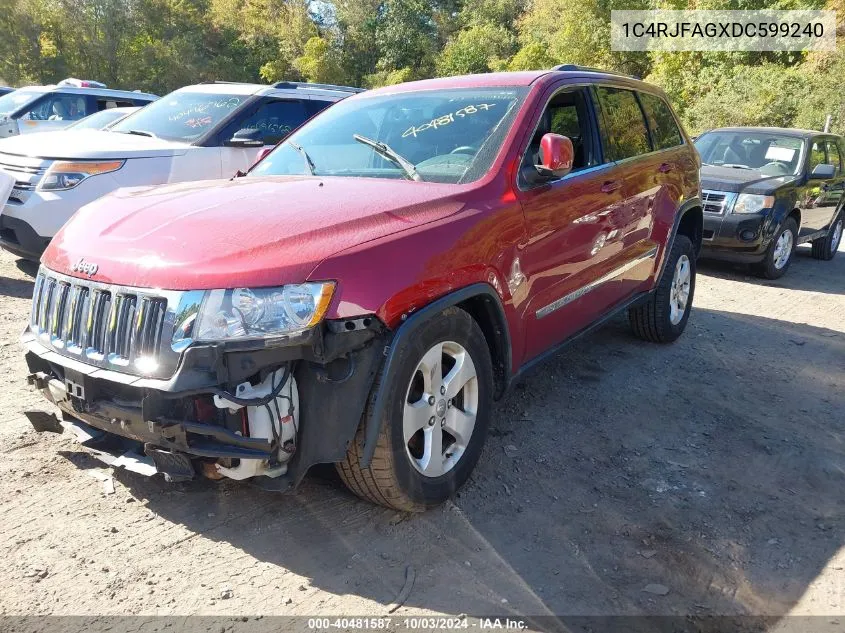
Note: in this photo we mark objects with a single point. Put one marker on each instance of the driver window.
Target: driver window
(817, 155)
(567, 114)
(275, 119)
(59, 108)
(834, 157)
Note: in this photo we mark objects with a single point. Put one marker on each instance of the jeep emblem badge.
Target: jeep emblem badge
(88, 268)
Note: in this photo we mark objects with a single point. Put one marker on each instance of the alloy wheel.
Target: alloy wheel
(679, 292)
(837, 236)
(783, 249)
(440, 409)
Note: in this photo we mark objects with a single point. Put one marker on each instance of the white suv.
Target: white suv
(50, 108)
(199, 132)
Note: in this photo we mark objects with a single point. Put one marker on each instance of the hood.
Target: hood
(747, 180)
(89, 145)
(245, 232)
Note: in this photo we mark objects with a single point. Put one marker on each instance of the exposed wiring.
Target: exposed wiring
(256, 402)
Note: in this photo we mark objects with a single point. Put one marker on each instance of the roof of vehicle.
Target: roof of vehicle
(784, 131)
(282, 87)
(104, 92)
(504, 79)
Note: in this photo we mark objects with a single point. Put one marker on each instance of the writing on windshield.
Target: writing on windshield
(447, 119)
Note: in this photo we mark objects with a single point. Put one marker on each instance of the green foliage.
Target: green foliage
(159, 45)
(478, 49)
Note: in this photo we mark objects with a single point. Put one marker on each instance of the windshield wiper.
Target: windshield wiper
(735, 166)
(308, 162)
(139, 133)
(385, 151)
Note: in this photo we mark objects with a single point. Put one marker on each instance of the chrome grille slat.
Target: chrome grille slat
(717, 202)
(106, 326)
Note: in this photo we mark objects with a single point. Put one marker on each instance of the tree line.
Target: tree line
(160, 45)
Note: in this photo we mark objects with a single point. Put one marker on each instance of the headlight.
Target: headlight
(64, 175)
(752, 203)
(255, 313)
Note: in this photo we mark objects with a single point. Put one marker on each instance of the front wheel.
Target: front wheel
(663, 317)
(435, 421)
(825, 247)
(779, 254)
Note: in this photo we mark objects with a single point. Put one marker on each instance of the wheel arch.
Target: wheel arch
(484, 305)
(690, 216)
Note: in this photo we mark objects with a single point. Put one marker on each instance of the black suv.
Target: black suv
(765, 190)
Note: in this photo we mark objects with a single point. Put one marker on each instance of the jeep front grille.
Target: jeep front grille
(717, 202)
(115, 327)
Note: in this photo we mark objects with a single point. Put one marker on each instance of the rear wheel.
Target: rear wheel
(825, 247)
(663, 317)
(779, 255)
(436, 419)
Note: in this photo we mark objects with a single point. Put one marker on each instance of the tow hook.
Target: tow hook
(39, 380)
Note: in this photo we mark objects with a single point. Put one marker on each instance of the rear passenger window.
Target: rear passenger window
(661, 122)
(834, 157)
(624, 132)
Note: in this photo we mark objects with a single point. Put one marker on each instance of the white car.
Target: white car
(199, 132)
(50, 108)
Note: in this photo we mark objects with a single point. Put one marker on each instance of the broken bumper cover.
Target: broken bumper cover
(334, 380)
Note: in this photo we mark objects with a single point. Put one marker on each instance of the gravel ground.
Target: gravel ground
(710, 471)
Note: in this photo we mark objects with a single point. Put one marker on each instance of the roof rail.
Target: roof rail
(303, 84)
(590, 69)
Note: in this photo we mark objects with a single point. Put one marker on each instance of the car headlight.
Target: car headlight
(752, 203)
(256, 313)
(63, 175)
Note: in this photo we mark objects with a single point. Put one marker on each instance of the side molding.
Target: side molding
(407, 331)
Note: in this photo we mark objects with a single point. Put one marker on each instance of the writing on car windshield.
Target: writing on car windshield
(181, 116)
(448, 136)
(770, 154)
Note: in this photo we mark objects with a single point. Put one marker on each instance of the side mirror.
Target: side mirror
(558, 155)
(246, 137)
(823, 172)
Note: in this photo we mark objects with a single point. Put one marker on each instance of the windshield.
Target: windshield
(100, 120)
(182, 115)
(770, 154)
(448, 136)
(10, 103)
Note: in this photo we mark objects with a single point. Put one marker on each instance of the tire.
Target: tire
(825, 247)
(655, 320)
(399, 476)
(772, 266)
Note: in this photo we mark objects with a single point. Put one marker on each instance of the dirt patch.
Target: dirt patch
(699, 478)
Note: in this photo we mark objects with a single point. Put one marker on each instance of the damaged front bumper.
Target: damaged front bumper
(202, 418)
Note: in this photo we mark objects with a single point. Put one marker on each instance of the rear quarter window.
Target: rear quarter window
(661, 122)
(624, 132)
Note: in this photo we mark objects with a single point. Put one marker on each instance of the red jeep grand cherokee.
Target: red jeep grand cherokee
(364, 294)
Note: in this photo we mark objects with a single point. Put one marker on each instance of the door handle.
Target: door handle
(610, 186)
(665, 168)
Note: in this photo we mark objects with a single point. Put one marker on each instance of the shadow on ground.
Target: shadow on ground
(616, 466)
(805, 273)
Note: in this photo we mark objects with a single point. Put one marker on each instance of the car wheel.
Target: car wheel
(825, 247)
(436, 418)
(779, 255)
(663, 317)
